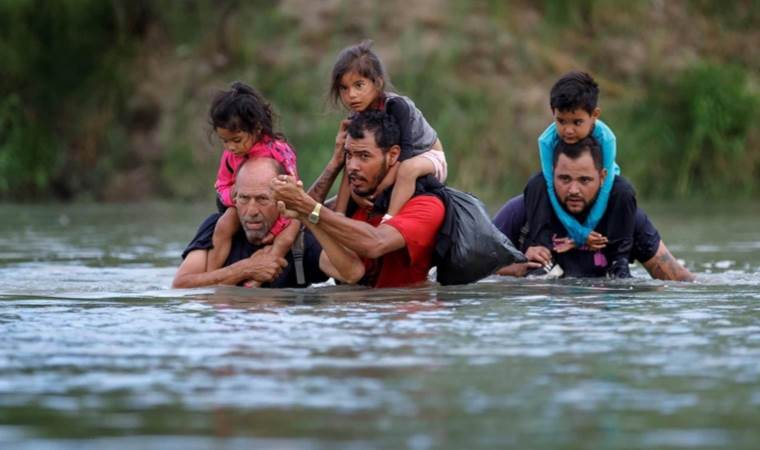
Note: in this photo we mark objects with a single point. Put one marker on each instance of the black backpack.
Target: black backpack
(469, 247)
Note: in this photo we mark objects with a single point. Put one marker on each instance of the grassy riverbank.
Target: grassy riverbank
(108, 100)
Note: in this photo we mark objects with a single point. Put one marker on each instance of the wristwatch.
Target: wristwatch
(314, 216)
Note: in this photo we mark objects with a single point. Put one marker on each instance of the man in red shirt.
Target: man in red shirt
(365, 249)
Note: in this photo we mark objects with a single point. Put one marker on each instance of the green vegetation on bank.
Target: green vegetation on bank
(692, 133)
(108, 100)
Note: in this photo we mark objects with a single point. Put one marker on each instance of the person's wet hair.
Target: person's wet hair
(382, 125)
(576, 150)
(575, 90)
(361, 59)
(242, 108)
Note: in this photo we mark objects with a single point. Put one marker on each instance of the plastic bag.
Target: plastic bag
(469, 247)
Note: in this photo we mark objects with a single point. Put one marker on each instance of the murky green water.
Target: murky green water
(97, 353)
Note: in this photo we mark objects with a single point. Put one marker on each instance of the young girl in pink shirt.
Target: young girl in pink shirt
(243, 121)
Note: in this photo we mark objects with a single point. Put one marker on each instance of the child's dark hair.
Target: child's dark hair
(382, 125)
(575, 90)
(242, 108)
(361, 59)
(574, 151)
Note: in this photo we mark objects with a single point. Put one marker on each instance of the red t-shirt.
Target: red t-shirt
(418, 222)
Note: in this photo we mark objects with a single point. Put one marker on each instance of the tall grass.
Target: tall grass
(93, 92)
(61, 62)
(690, 134)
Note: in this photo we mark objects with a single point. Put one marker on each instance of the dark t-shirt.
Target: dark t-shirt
(511, 221)
(241, 249)
(417, 136)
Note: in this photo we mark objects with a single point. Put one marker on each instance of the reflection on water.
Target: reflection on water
(96, 351)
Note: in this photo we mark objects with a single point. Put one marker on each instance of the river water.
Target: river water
(96, 352)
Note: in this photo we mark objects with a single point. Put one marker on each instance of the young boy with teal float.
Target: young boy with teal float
(574, 105)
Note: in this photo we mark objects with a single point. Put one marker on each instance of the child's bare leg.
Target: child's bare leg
(344, 194)
(408, 172)
(226, 227)
(663, 266)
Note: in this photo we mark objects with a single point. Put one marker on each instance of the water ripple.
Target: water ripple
(93, 343)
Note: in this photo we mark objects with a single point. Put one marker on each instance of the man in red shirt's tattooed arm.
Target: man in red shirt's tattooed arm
(365, 248)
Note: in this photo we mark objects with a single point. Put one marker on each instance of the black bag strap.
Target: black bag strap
(297, 251)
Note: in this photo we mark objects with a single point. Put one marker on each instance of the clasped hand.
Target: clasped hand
(289, 194)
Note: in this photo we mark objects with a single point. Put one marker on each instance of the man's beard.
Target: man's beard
(376, 182)
(586, 205)
(255, 236)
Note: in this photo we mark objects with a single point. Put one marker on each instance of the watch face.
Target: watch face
(314, 216)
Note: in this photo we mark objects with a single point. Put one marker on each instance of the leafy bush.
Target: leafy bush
(53, 74)
(689, 134)
(98, 95)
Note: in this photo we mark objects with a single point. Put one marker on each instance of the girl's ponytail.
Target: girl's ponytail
(241, 107)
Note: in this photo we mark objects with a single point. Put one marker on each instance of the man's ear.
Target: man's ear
(603, 175)
(596, 113)
(393, 153)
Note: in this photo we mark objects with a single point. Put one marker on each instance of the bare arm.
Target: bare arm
(364, 239)
(663, 266)
(261, 266)
(518, 269)
(335, 260)
(321, 187)
(326, 266)
(284, 241)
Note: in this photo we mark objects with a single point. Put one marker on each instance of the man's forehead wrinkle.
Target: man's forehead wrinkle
(254, 181)
(363, 150)
(258, 191)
